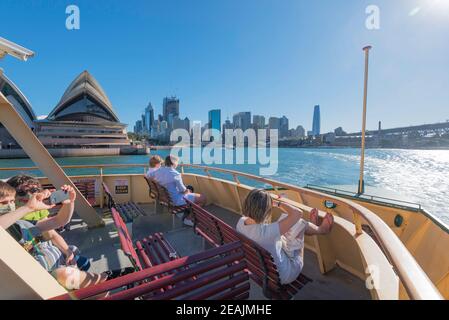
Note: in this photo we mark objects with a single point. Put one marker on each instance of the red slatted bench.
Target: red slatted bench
(86, 188)
(129, 210)
(146, 253)
(217, 274)
(162, 197)
(261, 265)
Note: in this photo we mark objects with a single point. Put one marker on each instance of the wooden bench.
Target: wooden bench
(217, 274)
(261, 265)
(146, 253)
(129, 210)
(86, 188)
(162, 197)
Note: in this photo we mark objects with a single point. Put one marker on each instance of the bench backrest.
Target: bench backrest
(126, 241)
(160, 193)
(216, 274)
(86, 188)
(261, 265)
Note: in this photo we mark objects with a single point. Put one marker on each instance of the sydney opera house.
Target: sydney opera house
(83, 123)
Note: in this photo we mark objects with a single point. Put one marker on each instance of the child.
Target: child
(155, 164)
(25, 186)
(283, 239)
(30, 236)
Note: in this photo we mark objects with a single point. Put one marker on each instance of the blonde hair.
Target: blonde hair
(6, 190)
(258, 205)
(155, 160)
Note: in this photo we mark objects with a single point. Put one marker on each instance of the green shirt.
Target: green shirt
(33, 216)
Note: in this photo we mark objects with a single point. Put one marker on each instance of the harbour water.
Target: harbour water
(419, 176)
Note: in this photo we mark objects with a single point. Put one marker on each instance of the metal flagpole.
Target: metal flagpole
(365, 98)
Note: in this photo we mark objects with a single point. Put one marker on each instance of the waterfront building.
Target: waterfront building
(21, 104)
(149, 118)
(258, 122)
(170, 106)
(299, 132)
(316, 126)
(339, 131)
(215, 119)
(138, 128)
(283, 127)
(242, 120)
(83, 118)
(274, 123)
(181, 124)
(82, 123)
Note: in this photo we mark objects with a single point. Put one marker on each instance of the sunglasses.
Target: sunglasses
(23, 193)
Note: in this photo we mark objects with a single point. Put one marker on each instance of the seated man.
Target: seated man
(155, 164)
(26, 186)
(171, 179)
(30, 236)
(284, 239)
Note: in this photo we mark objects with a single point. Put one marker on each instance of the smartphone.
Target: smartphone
(58, 197)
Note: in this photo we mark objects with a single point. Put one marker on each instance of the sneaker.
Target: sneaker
(112, 274)
(188, 222)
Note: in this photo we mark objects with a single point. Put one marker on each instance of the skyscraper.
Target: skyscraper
(316, 127)
(170, 106)
(215, 119)
(242, 120)
(258, 122)
(284, 127)
(274, 123)
(149, 117)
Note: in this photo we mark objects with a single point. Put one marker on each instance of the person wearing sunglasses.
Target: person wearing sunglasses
(53, 243)
(31, 236)
(26, 186)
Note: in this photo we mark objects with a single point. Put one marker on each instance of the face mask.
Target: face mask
(6, 208)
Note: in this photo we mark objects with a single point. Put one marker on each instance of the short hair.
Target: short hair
(170, 160)
(258, 205)
(155, 160)
(6, 190)
(20, 180)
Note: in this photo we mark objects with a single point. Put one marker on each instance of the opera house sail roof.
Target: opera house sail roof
(84, 101)
(83, 123)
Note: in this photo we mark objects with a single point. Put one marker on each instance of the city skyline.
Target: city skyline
(309, 53)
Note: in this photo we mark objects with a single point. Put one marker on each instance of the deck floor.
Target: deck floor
(103, 248)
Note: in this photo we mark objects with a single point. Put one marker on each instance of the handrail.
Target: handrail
(363, 196)
(414, 279)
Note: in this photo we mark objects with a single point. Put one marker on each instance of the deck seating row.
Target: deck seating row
(261, 265)
(217, 274)
(128, 210)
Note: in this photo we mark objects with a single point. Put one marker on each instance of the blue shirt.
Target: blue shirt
(172, 181)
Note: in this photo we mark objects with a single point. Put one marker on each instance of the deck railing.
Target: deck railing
(415, 281)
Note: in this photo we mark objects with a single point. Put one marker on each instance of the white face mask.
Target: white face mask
(6, 208)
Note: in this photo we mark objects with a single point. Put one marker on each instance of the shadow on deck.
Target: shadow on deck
(103, 248)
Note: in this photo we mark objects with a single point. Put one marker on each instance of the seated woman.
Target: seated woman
(171, 179)
(155, 164)
(26, 186)
(30, 236)
(284, 239)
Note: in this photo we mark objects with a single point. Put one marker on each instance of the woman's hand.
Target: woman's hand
(36, 201)
(72, 194)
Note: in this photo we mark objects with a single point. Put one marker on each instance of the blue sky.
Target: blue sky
(270, 57)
